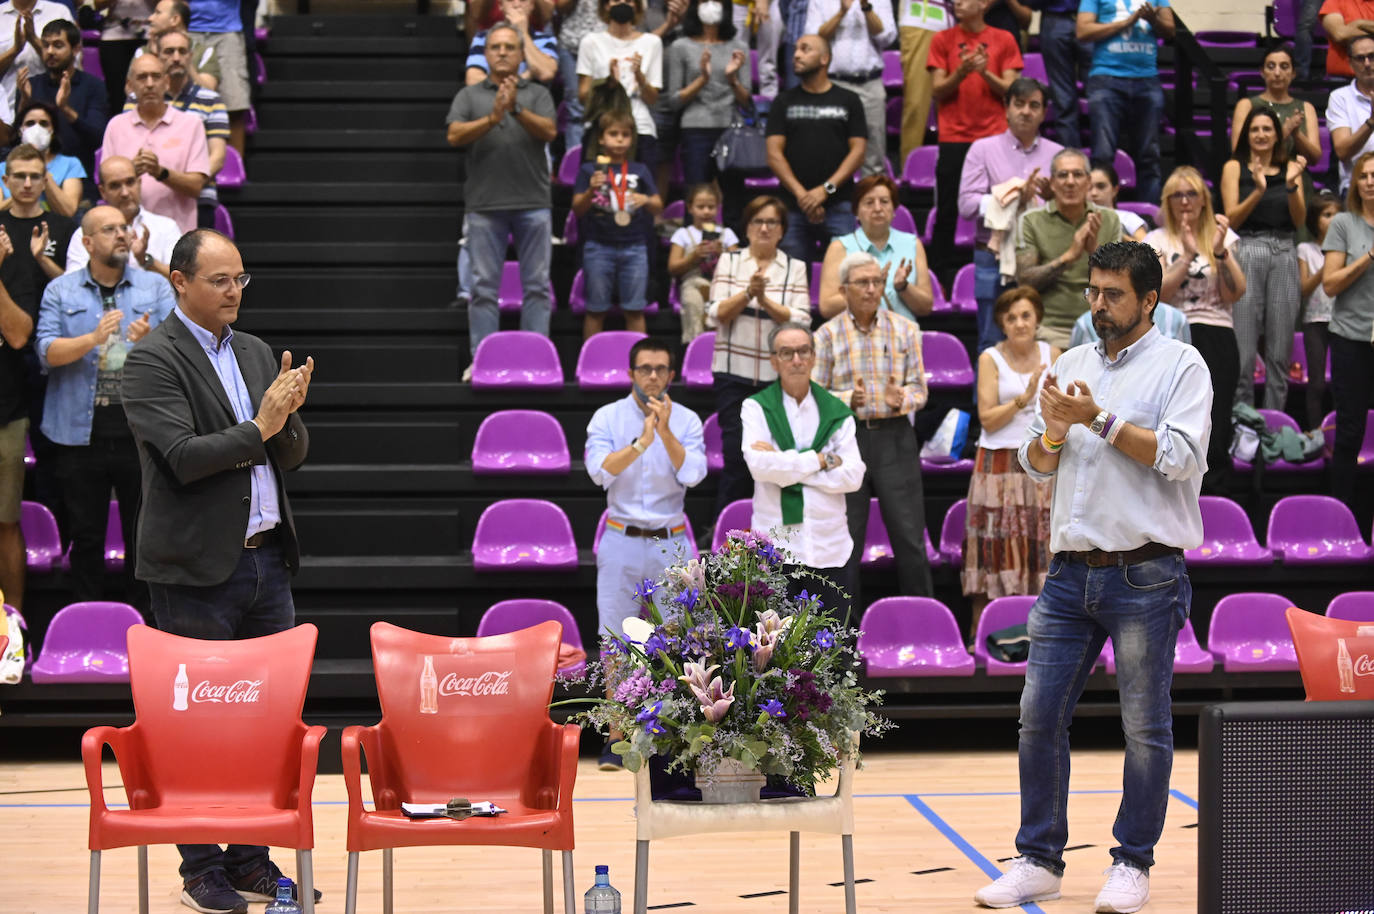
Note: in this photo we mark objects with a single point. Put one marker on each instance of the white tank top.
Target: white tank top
(1010, 385)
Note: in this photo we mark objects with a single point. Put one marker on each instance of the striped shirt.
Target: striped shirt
(207, 105)
(742, 343)
(889, 348)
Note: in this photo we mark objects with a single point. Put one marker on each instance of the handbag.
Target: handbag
(742, 146)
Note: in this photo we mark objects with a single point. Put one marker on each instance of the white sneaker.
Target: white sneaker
(1024, 882)
(1127, 890)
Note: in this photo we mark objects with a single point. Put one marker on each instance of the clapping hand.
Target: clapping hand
(64, 90)
(1223, 226)
(109, 324)
(660, 410)
(139, 246)
(1258, 176)
(1187, 238)
(858, 399)
(39, 242)
(903, 274)
(1065, 408)
(893, 393)
(30, 32)
(139, 328)
(1292, 122)
(1032, 385)
(736, 62)
(21, 79)
(757, 284)
(283, 396)
(1085, 239)
(705, 64)
(146, 163)
(1031, 187)
(6, 246)
(1296, 165)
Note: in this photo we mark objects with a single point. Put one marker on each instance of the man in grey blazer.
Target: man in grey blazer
(214, 416)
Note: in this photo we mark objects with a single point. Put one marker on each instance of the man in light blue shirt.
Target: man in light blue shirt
(1170, 322)
(1124, 94)
(86, 323)
(646, 452)
(1129, 415)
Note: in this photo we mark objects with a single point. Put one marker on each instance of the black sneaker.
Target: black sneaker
(211, 893)
(260, 884)
(609, 760)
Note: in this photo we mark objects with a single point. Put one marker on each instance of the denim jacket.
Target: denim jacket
(71, 307)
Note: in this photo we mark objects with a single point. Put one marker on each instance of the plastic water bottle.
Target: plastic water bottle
(602, 898)
(284, 904)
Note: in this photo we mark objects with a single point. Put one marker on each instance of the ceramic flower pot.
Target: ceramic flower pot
(731, 782)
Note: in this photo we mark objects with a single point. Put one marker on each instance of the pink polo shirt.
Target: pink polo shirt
(178, 139)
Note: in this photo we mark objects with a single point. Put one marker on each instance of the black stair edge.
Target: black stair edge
(345, 139)
(360, 25)
(426, 253)
(361, 47)
(355, 90)
(439, 319)
(259, 192)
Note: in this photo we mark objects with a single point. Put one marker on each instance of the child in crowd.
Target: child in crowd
(692, 257)
(1316, 308)
(617, 201)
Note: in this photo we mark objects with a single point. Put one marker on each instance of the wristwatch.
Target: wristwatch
(162, 175)
(515, 111)
(830, 189)
(147, 260)
(1099, 423)
(831, 461)
(639, 448)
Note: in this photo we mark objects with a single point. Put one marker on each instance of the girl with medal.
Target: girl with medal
(616, 201)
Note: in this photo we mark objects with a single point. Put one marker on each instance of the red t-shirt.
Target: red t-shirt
(973, 112)
(1337, 61)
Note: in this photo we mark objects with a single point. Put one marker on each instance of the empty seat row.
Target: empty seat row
(43, 541)
(1303, 529)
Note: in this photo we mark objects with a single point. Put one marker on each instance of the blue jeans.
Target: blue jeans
(1302, 41)
(464, 266)
(488, 234)
(615, 273)
(1142, 607)
(254, 601)
(1129, 109)
(567, 71)
(697, 144)
(807, 241)
(1065, 58)
(987, 284)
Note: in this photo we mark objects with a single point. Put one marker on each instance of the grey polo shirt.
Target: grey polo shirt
(1352, 315)
(507, 167)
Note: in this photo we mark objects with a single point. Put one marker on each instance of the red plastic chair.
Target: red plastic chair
(1335, 656)
(481, 731)
(221, 756)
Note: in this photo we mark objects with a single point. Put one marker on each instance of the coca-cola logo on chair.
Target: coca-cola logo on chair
(239, 692)
(488, 686)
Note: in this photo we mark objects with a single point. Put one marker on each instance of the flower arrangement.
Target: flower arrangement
(726, 665)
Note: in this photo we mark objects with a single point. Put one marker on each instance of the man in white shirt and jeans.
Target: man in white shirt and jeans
(800, 445)
(1131, 414)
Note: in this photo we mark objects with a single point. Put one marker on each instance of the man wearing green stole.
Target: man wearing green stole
(799, 444)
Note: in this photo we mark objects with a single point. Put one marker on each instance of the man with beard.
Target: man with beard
(78, 96)
(21, 21)
(1128, 415)
(151, 237)
(86, 324)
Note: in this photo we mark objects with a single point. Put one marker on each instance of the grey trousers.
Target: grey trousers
(1269, 308)
(893, 460)
(874, 98)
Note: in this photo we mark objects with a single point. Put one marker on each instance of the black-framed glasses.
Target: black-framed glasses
(646, 371)
(787, 353)
(1362, 58)
(766, 223)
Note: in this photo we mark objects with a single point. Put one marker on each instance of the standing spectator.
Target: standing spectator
(1019, 153)
(176, 14)
(793, 28)
(1317, 305)
(917, 25)
(78, 96)
(1007, 525)
(900, 255)
(21, 52)
(630, 57)
(1299, 118)
(481, 15)
(151, 237)
(815, 144)
(538, 47)
(858, 37)
(168, 147)
(1056, 242)
(17, 321)
(870, 358)
(122, 30)
(1261, 191)
(87, 323)
(693, 253)
(1302, 40)
(622, 201)
(1203, 277)
(754, 290)
(1349, 248)
(39, 237)
(1349, 111)
(1067, 63)
(579, 19)
(174, 48)
(217, 24)
(62, 187)
(972, 66)
(1343, 21)
(1103, 189)
(765, 20)
(506, 122)
(800, 446)
(1124, 94)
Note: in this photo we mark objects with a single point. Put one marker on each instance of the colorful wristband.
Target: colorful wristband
(1051, 447)
(1116, 427)
(1107, 426)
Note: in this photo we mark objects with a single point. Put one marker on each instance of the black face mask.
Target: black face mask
(621, 12)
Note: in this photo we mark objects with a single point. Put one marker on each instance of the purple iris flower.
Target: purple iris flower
(773, 708)
(737, 638)
(688, 599)
(654, 644)
(825, 639)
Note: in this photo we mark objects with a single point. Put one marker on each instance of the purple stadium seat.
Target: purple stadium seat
(1366, 455)
(1213, 38)
(1189, 655)
(1316, 530)
(738, 515)
(224, 223)
(261, 34)
(1323, 163)
(512, 615)
(677, 210)
(939, 303)
(933, 466)
(815, 284)
(86, 643)
(516, 359)
(569, 166)
(570, 235)
(1034, 67)
(946, 360)
(232, 174)
(929, 232)
(877, 545)
(952, 531)
(1001, 613)
(250, 121)
(30, 461)
(1143, 209)
(902, 220)
(962, 295)
(41, 539)
(919, 171)
(1297, 374)
(686, 521)
(114, 539)
(1275, 419)
(1227, 537)
(892, 69)
(90, 37)
(760, 183)
(520, 442)
(754, 65)
(965, 233)
(523, 534)
(604, 362)
(1356, 606)
(696, 361)
(90, 61)
(1250, 634)
(577, 297)
(259, 69)
(892, 115)
(1125, 168)
(710, 433)
(912, 636)
(511, 295)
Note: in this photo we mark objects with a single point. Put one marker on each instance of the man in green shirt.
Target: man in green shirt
(1056, 241)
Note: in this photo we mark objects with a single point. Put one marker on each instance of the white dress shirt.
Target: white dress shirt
(853, 50)
(1349, 107)
(1106, 500)
(649, 492)
(822, 539)
(44, 11)
(163, 235)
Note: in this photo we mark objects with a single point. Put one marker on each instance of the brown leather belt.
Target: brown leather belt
(261, 538)
(658, 533)
(886, 422)
(1097, 558)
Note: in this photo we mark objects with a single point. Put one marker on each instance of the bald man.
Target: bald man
(87, 322)
(151, 237)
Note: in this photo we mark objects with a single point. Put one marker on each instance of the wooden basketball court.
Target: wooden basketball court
(931, 827)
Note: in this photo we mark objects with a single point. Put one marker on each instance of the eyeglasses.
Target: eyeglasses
(1113, 296)
(787, 354)
(1362, 58)
(766, 223)
(114, 230)
(221, 282)
(866, 283)
(1184, 195)
(646, 371)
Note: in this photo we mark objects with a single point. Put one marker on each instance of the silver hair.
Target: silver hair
(790, 325)
(856, 259)
(1076, 153)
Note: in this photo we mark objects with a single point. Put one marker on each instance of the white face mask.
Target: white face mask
(710, 13)
(37, 136)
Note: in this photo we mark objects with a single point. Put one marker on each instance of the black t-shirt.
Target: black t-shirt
(1271, 214)
(25, 281)
(108, 420)
(818, 127)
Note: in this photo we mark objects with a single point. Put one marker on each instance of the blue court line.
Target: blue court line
(1183, 797)
(958, 840)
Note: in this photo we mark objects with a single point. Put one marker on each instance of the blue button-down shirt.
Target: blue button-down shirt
(648, 492)
(72, 307)
(264, 512)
